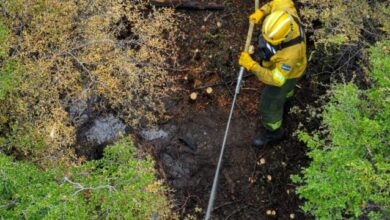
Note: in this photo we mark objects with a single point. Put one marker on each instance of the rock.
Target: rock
(105, 130)
(175, 168)
(178, 171)
(154, 134)
(78, 111)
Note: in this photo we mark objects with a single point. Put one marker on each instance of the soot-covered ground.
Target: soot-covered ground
(252, 181)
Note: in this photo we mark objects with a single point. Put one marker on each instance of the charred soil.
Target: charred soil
(252, 181)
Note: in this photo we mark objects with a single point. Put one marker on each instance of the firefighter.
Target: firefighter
(282, 50)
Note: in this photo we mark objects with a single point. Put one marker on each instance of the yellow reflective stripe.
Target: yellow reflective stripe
(278, 76)
(290, 94)
(273, 18)
(281, 25)
(274, 126)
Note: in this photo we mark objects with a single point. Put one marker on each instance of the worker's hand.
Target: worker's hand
(246, 61)
(257, 16)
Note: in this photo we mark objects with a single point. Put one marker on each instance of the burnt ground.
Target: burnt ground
(187, 159)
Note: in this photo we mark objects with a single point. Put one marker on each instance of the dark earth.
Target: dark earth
(187, 146)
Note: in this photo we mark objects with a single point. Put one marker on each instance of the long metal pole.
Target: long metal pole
(216, 177)
(238, 86)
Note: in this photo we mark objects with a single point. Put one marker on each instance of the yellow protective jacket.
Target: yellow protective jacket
(288, 63)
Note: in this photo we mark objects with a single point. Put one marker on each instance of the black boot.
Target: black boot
(267, 136)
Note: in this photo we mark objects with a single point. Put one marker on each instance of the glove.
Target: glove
(246, 61)
(257, 16)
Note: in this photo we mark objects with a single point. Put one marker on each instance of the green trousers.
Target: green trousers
(272, 104)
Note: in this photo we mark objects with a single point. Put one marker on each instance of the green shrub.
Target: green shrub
(119, 186)
(28, 193)
(349, 173)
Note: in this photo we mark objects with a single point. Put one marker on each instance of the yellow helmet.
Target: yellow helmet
(277, 27)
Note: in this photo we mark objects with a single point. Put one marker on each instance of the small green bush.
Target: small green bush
(119, 186)
(349, 173)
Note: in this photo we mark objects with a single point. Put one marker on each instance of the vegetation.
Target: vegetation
(116, 56)
(119, 186)
(348, 175)
(342, 22)
(7, 72)
(113, 56)
(340, 32)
